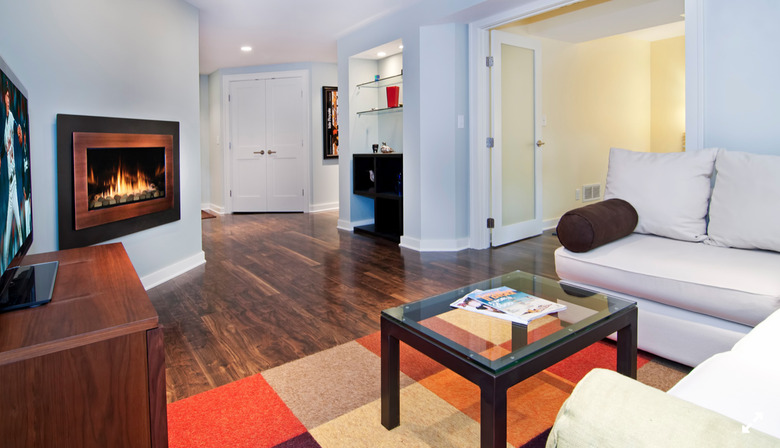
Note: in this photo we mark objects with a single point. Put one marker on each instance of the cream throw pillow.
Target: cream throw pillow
(670, 191)
(745, 208)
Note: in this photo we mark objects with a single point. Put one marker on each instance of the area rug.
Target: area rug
(332, 399)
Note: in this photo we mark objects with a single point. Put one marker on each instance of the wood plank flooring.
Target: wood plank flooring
(278, 287)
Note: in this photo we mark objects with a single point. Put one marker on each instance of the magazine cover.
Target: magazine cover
(469, 304)
(522, 307)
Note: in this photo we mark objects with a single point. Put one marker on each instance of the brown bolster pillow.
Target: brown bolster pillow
(589, 227)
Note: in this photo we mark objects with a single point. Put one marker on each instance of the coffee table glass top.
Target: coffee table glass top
(496, 344)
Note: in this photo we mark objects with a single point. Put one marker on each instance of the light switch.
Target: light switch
(461, 122)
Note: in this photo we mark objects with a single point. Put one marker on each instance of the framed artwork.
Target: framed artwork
(330, 124)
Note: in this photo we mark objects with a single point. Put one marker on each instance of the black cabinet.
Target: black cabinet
(380, 177)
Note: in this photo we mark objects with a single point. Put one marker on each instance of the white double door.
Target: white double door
(267, 145)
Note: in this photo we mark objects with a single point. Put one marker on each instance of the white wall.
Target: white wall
(136, 59)
(323, 194)
(735, 78)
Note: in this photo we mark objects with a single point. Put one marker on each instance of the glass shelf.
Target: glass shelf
(389, 81)
(382, 110)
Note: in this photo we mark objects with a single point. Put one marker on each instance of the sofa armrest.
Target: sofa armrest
(607, 409)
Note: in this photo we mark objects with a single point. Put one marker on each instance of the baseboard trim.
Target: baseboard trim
(314, 208)
(172, 271)
(419, 245)
(213, 208)
(349, 226)
(548, 224)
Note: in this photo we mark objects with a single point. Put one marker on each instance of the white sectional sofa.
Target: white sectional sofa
(703, 263)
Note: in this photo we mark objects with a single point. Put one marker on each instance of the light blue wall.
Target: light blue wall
(435, 230)
(205, 182)
(128, 59)
(324, 173)
(741, 74)
(444, 156)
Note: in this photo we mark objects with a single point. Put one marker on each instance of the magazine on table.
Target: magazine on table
(509, 304)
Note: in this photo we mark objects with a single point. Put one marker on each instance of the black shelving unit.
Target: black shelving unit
(386, 190)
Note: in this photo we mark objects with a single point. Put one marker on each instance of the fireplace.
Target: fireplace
(116, 176)
(120, 176)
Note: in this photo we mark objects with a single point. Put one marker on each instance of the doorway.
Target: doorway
(593, 100)
(267, 143)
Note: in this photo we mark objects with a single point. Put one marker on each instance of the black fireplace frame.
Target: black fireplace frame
(67, 125)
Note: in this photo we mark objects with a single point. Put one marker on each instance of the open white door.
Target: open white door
(516, 162)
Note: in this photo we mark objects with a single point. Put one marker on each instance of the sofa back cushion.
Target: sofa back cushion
(670, 191)
(745, 208)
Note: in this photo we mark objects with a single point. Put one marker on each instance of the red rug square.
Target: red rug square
(243, 414)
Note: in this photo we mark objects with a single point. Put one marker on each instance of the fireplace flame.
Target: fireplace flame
(125, 183)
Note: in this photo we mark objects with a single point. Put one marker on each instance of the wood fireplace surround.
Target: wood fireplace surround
(129, 205)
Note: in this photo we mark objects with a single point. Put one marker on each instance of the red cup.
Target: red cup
(392, 96)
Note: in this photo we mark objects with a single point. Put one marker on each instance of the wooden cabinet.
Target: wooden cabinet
(380, 177)
(88, 368)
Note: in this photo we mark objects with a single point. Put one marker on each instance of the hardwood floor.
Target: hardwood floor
(278, 287)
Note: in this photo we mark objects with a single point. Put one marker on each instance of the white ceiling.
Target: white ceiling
(281, 31)
(307, 30)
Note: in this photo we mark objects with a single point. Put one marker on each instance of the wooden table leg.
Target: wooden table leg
(391, 377)
(493, 416)
(626, 347)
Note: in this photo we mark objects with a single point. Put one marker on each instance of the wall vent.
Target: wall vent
(591, 192)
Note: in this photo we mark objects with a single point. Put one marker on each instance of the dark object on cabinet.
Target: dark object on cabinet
(379, 177)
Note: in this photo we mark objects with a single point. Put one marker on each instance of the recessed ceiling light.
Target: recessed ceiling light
(400, 47)
(246, 48)
(381, 54)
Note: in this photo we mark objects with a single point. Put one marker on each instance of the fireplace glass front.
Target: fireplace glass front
(118, 176)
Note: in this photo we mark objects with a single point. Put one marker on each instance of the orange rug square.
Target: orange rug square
(243, 414)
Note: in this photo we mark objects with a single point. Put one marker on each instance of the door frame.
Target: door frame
(479, 110)
(224, 141)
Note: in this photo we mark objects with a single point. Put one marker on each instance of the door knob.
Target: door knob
(271, 151)
(261, 152)
(539, 143)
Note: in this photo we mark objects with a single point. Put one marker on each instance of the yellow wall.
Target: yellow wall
(595, 95)
(667, 117)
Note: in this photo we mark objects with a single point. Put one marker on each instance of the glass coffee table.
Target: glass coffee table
(496, 354)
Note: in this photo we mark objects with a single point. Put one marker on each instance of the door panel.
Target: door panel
(515, 158)
(285, 125)
(247, 109)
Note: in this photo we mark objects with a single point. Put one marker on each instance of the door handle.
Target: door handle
(271, 151)
(261, 152)
(539, 143)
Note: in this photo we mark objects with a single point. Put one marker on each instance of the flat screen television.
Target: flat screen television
(20, 286)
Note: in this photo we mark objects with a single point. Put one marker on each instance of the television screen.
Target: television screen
(20, 286)
(15, 203)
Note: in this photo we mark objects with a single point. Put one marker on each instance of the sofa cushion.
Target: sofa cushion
(670, 191)
(741, 386)
(594, 225)
(745, 207)
(732, 284)
(607, 409)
